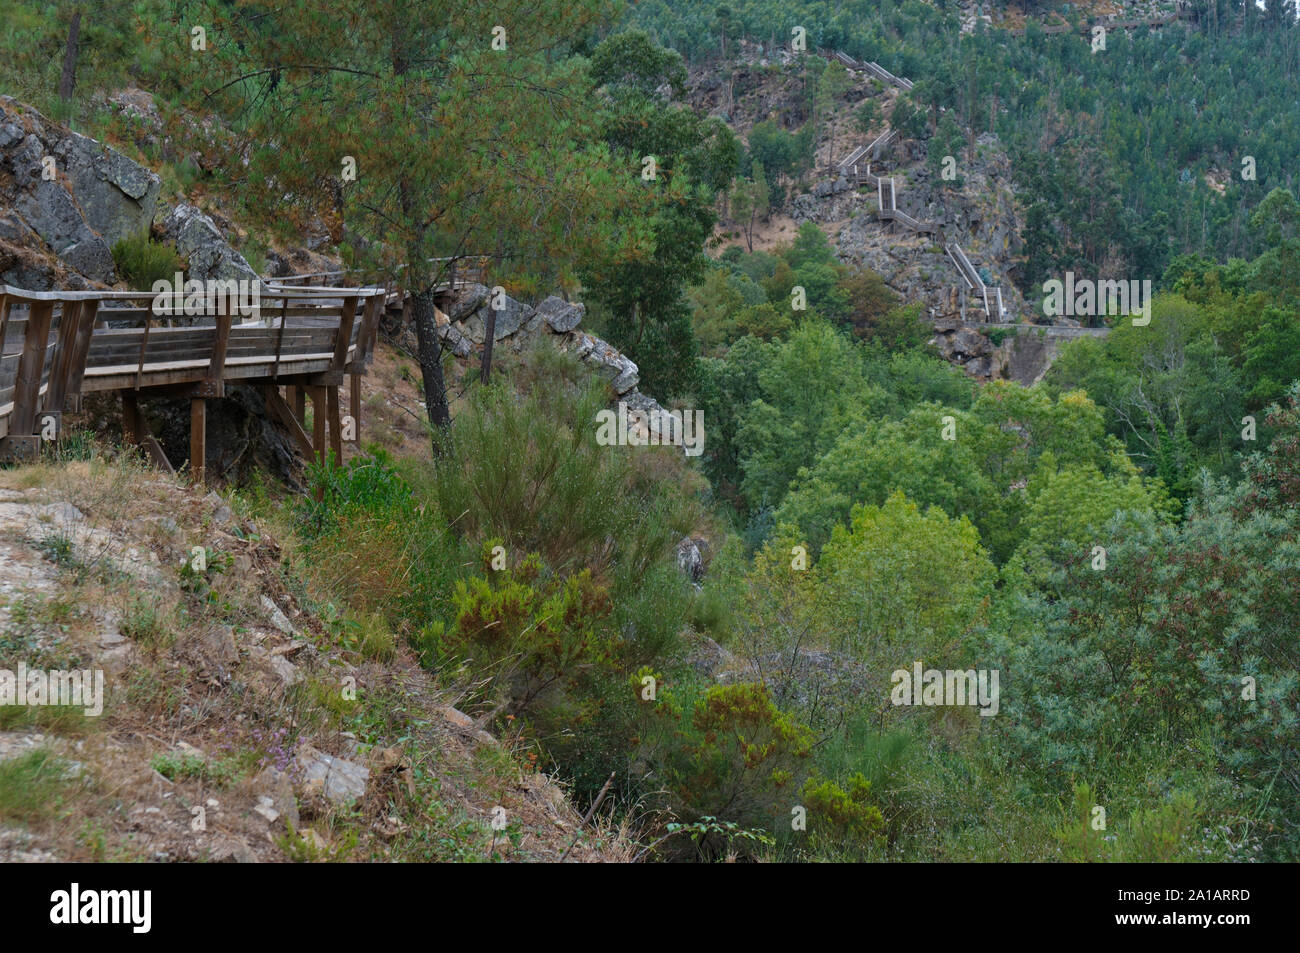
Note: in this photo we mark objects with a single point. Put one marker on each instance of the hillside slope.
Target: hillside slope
(242, 720)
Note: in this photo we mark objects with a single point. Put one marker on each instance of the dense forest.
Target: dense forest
(1116, 546)
(1113, 151)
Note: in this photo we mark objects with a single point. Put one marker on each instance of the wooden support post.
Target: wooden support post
(336, 432)
(31, 364)
(354, 407)
(299, 404)
(64, 354)
(131, 435)
(198, 439)
(80, 349)
(291, 398)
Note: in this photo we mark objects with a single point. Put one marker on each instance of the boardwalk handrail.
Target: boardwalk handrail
(58, 345)
(870, 68)
(473, 264)
(887, 196)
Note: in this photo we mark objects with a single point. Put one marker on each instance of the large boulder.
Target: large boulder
(510, 317)
(467, 299)
(97, 196)
(199, 240)
(561, 316)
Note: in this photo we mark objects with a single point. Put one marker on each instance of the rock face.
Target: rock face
(199, 240)
(555, 318)
(981, 216)
(1024, 355)
(65, 195)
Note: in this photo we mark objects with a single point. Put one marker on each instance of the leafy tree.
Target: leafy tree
(811, 387)
(776, 150)
(905, 584)
(631, 61)
(460, 149)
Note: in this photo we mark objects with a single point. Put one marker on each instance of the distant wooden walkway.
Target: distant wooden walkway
(856, 168)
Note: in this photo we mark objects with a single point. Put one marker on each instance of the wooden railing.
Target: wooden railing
(991, 297)
(466, 268)
(56, 346)
(856, 167)
(871, 69)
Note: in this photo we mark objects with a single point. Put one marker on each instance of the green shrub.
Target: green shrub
(140, 261)
(538, 636)
(1161, 833)
(836, 814)
(729, 753)
(31, 786)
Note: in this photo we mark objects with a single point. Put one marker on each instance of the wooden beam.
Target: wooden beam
(291, 421)
(218, 362)
(27, 383)
(198, 439)
(131, 435)
(155, 452)
(369, 329)
(344, 338)
(80, 350)
(64, 352)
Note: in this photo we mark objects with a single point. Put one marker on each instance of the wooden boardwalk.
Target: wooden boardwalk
(310, 334)
(856, 168)
(61, 345)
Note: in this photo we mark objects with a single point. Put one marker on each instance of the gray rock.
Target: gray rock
(221, 513)
(274, 793)
(117, 196)
(232, 850)
(98, 195)
(689, 560)
(218, 645)
(509, 318)
(276, 617)
(199, 240)
(333, 778)
(49, 211)
(562, 316)
(621, 373)
(468, 299)
(455, 341)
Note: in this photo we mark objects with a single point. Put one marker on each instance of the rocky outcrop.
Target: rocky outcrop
(517, 324)
(204, 247)
(1022, 354)
(64, 198)
(982, 215)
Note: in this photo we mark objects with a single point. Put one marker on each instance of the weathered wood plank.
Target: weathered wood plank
(30, 368)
